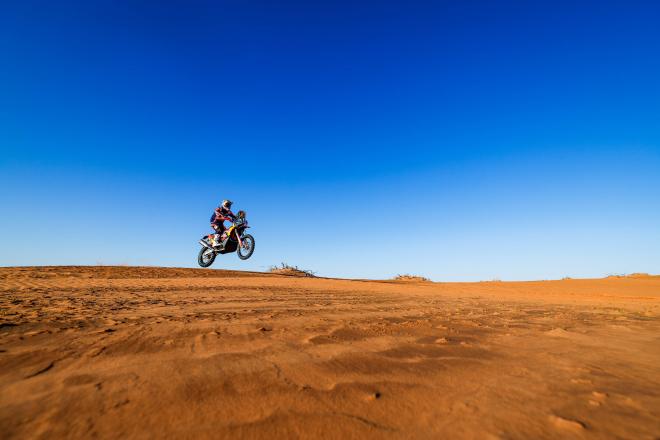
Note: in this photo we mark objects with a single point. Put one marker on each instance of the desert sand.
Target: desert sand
(121, 352)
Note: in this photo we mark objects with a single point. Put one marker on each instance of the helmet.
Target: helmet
(226, 204)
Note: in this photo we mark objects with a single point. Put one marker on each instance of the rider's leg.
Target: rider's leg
(215, 237)
(220, 230)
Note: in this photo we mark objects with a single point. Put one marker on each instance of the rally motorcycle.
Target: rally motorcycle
(234, 240)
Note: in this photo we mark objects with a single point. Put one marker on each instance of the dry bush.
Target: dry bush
(408, 277)
(287, 269)
(632, 275)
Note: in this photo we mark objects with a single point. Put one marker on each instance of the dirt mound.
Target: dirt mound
(117, 272)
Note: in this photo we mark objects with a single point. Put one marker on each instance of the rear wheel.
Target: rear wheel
(206, 257)
(244, 252)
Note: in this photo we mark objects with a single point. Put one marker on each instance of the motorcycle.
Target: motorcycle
(236, 240)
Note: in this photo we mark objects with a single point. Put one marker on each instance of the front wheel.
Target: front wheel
(244, 252)
(206, 257)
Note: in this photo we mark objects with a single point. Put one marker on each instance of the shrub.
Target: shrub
(287, 269)
(408, 277)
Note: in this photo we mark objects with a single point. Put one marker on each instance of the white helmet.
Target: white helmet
(226, 204)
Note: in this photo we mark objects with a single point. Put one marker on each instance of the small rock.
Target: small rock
(567, 424)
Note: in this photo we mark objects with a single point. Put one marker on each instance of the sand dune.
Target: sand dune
(121, 352)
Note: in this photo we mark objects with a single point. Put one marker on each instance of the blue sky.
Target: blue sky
(457, 140)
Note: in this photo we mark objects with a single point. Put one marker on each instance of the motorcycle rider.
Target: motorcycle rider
(220, 214)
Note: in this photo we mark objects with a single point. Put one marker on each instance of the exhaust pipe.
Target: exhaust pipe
(206, 245)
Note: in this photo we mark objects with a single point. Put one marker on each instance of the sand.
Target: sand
(120, 352)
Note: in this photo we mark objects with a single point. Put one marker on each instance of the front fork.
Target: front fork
(238, 236)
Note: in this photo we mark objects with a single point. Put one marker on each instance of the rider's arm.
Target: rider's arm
(224, 217)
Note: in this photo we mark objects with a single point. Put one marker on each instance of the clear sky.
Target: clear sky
(459, 140)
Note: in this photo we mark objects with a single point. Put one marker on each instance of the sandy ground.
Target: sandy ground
(102, 352)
